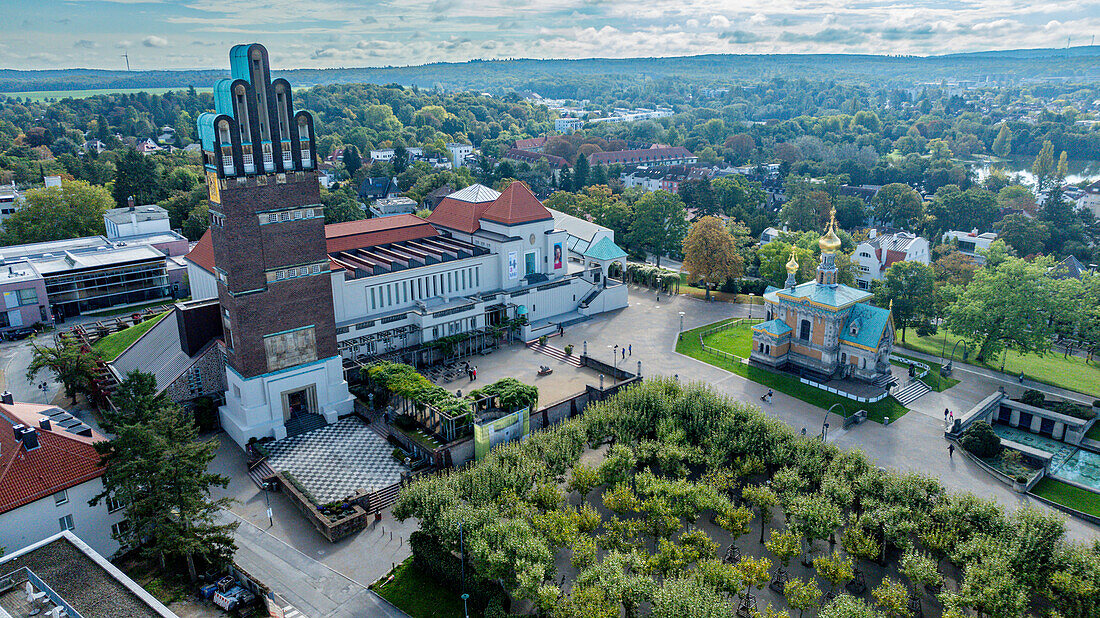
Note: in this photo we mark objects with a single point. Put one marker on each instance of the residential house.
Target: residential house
(531, 158)
(673, 155)
(11, 200)
(568, 125)
(459, 152)
(135, 220)
(49, 471)
(969, 243)
(148, 147)
(532, 144)
(378, 188)
(879, 252)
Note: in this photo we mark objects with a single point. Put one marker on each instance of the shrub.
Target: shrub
(1032, 397)
(542, 340)
(980, 439)
(730, 286)
(404, 421)
(926, 329)
(569, 350)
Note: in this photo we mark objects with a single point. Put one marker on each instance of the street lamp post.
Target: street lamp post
(267, 499)
(681, 321)
(825, 421)
(752, 297)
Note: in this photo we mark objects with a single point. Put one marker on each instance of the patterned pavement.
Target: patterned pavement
(337, 460)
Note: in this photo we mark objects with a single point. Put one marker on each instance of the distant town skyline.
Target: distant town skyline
(193, 34)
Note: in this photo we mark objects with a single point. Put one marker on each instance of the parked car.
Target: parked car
(22, 332)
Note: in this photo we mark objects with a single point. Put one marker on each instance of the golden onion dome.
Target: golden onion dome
(792, 264)
(830, 242)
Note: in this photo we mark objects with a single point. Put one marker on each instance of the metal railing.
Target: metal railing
(721, 327)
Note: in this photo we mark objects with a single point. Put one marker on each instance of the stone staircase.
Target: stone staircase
(304, 423)
(555, 353)
(259, 472)
(912, 391)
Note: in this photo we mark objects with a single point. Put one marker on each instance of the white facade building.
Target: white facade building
(970, 242)
(459, 152)
(386, 154)
(481, 258)
(881, 251)
(47, 477)
(568, 125)
(136, 220)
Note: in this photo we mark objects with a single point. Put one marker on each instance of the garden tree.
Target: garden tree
(773, 262)
(1017, 197)
(400, 160)
(584, 601)
(751, 573)
(1002, 144)
(1026, 235)
(813, 517)
(802, 595)
(698, 193)
(580, 172)
(892, 597)
(1074, 588)
(858, 541)
(991, 586)
(806, 211)
(835, 568)
(921, 570)
(847, 606)
(157, 468)
(734, 520)
(341, 204)
(740, 147)
(1064, 224)
(955, 209)
(1035, 551)
(1006, 306)
(135, 175)
(738, 197)
(71, 365)
(1062, 168)
(660, 223)
(512, 551)
(180, 203)
(351, 159)
(763, 499)
(899, 204)
(72, 210)
(1043, 167)
(910, 286)
(583, 479)
(676, 598)
(785, 545)
(711, 253)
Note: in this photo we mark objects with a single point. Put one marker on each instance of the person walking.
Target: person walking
(624, 353)
(630, 349)
(945, 413)
(951, 451)
(475, 372)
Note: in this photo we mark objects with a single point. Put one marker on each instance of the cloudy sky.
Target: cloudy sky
(176, 34)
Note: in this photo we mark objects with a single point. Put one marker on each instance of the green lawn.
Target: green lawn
(736, 340)
(698, 292)
(417, 595)
(112, 345)
(786, 383)
(1072, 373)
(934, 380)
(1068, 495)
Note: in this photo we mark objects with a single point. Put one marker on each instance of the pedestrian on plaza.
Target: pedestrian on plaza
(803, 431)
(470, 373)
(624, 353)
(475, 372)
(951, 451)
(630, 349)
(945, 413)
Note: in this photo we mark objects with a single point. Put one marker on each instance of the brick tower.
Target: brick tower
(267, 228)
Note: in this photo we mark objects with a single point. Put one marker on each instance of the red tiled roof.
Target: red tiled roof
(648, 155)
(61, 461)
(892, 257)
(373, 232)
(516, 205)
(531, 142)
(202, 255)
(463, 215)
(529, 156)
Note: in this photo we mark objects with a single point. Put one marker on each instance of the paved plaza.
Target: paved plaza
(522, 363)
(337, 460)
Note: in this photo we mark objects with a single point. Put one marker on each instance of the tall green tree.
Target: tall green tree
(808, 211)
(157, 467)
(580, 172)
(1002, 144)
(135, 175)
(1007, 305)
(899, 204)
(1043, 167)
(1026, 235)
(910, 286)
(73, 367)
(352, 160)
(72, 210)
(660, 224)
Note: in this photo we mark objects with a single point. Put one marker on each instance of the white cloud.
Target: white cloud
(758, 18)
(719, 21)
(154, 41)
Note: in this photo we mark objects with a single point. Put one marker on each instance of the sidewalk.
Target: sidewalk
(1005, 378)
(313, 588)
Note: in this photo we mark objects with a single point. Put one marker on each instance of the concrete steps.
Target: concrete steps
(911, 392)
(259, 472)
(304, 423)
(555, 353)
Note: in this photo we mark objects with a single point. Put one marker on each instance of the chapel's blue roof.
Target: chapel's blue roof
(605, 249)
(834, 296)
(776, 327)
(870, 322)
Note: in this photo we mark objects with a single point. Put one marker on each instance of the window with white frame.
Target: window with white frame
(65, 523)
(61, 497)
(121, 528)
(114, 504)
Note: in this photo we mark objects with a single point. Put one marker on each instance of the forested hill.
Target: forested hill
(574, 78)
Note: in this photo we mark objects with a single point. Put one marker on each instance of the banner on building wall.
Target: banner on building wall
(513, 264)
(557, 255)
(514, 426)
